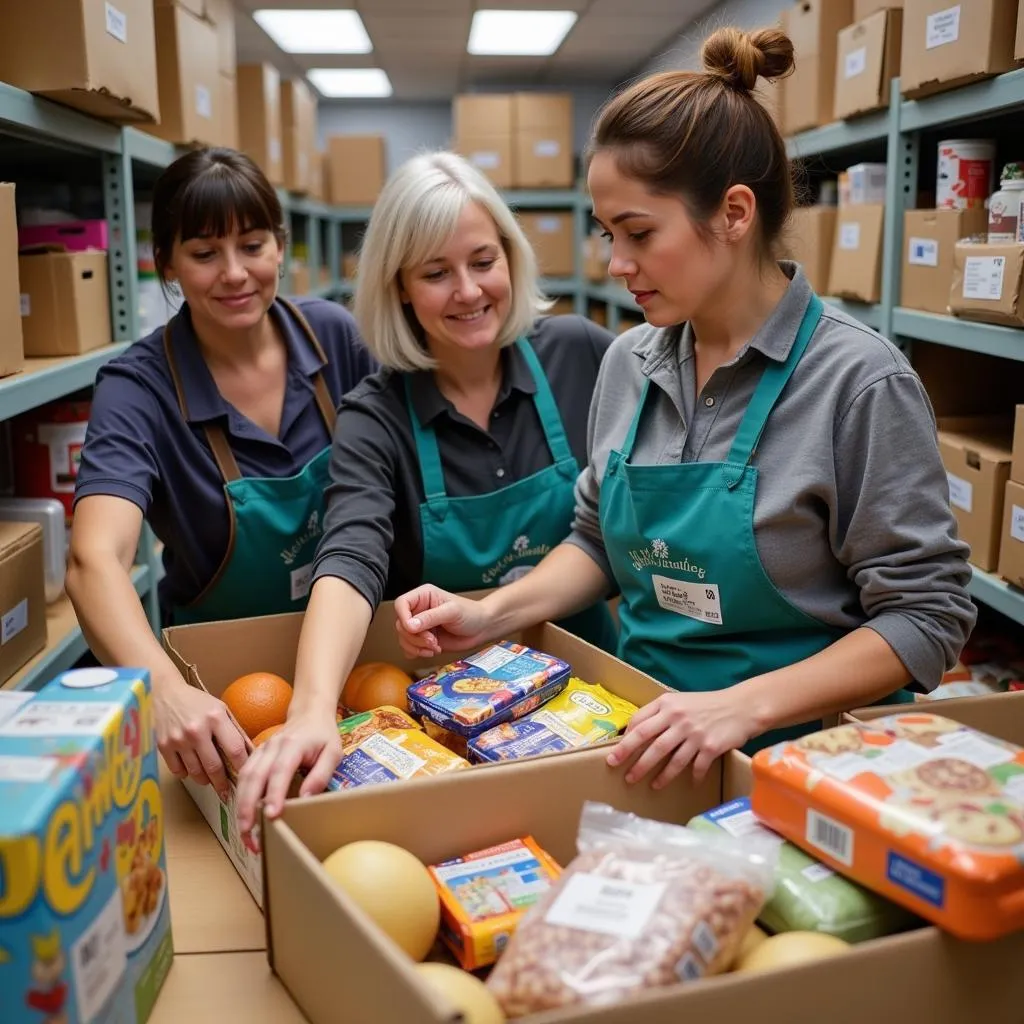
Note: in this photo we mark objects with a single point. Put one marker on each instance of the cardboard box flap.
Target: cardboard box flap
(987, 438)
(15, 536)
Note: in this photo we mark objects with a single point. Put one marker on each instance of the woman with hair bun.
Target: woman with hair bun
(764, 484)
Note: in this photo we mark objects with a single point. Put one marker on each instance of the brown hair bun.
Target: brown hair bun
(740, 58)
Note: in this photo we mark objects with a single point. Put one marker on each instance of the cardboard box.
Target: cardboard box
(349, 266)
(484, 114)
(222, 14)
(947, 45)
(865, 8)
(227, 110)
(298, 132)
(12, 348)
(95, 55)
(867, 61)
(809, 96)
(1018, 50)
(999, 714)
(87, 927)
(929, 240)
(542, 127)
(976, 453)
(491, 154)
(1011, 544)
(211, 655)
(1017, 466)
(810, 237)
(553, 237)
(22, 595)
(856, 268)
(258, 89)
(302, 280)
(357, 168)
(65, 302)
(988, 282)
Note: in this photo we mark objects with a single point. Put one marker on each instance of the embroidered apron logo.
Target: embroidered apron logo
(520, 549)
(656, 556)
(312, 531)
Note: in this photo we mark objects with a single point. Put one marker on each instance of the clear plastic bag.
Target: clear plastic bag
(643, 904)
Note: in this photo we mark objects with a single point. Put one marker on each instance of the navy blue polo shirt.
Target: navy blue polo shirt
(139, 446)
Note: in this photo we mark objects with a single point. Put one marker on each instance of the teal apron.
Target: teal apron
(698, 611)
(275, 522)
(486, 540)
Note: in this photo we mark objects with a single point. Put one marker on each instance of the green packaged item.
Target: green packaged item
(810, 896)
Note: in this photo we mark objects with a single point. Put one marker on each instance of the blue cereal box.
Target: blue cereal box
(85, 931)
(499, 684)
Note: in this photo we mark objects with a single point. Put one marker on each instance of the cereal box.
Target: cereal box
(484, 894)
(498, 684)
(915, 806)
(85, 932)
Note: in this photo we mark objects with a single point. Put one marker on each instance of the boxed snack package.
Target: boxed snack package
(917, 807)
(85, 931)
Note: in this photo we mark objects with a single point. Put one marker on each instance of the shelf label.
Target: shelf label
(1017, 523)
(275, 149)
(26, 304)
(485, 159)
(14, 621)
(117, 23)
(856, 62)
(961, 493)
(549, 225)
(547, 148)
(983, 277)
(204, 103)
(923, 252)
(943, 27)
(849, 236)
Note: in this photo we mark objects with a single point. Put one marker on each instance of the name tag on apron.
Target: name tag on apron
(300, 580)
(698, 601)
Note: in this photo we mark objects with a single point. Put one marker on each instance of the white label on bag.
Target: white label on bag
(26, 304)
(204, 102)
(961, 493)
(923, 252)
(983, 277)
(849, 236)
(817, 872)
(117, 23)
(943, 27)
(300, 580)
(698, 601)
(743, 823)
(392, 755)
(609, 906)
(1017, 523)
(856, 62)
(99, 959)
(14, 621)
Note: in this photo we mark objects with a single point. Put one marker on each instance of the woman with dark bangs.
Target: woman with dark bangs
(216, 429)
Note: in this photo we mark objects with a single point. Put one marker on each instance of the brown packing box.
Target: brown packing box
(357, 167)
(998, 714)
(929, 238)
(211, 655)
(491, 154)
(484, 114)
(1011, 543)
(867, 61)
(65, 302)
(222, 14)
(1018, 50)
(988, 281)
(227, 110)
(947, 44)
(553, 238)
(200, 8)
(301, 279)
(856, 268)
(596, 254)
(809, 95)
(810, 237)
(1017, 466)
(543, 143)
(12, 348)
(976, 453)
(298, 130)
(259, 118)
(22, 596)
(863, 8)
(919, 976)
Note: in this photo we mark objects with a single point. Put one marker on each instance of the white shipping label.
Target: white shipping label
(942, 27)
(204, 102)
(745, 824)
(961, 493)
(923, 252)
(849, 236)
(60, 718)
(26, 769)
(698, 601)
(1017, 523)
(609, 906)
(300, 579)
(117, 23)
(26, 304)
(856, 62)
(99, 959)
(547, 148)
(485, 159)
(14, 621)
(983, 277)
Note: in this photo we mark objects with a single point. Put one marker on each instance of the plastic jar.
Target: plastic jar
(965, 173)
(1004, 206)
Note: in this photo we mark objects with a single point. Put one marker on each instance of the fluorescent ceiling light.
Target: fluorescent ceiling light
(315, 31)
(525, 33)
(333, 83)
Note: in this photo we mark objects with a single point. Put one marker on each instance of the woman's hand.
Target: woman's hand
(430, 621)
(685, 727)
(193, 730)
(308, 740)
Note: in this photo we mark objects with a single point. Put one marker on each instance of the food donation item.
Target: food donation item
(356, 728)
(484, 895)
(258, 700)
(393, 888)
(809, 896)
(788, 949)
(498, 684)
(643, 904)
(373, 685)
(581, 715)
(919, 808)
(468, 994)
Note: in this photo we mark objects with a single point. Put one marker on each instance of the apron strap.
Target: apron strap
(773, 380)
(222, 453)
(630, 439)
(323, 397)
(426, 450)
(544, 402)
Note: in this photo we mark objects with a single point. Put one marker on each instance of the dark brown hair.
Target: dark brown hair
(207, 193)
(696, 134)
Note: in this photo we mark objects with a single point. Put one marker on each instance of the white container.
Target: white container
(966, 173)
(867, 183)
(49, 514)
(1004, 211)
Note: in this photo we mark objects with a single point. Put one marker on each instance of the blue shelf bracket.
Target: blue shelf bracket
(119, 208)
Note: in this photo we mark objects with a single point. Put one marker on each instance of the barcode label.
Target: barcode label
(831, 837)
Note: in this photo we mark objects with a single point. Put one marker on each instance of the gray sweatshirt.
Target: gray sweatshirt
(851, 518)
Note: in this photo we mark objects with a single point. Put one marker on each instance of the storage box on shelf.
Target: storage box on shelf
(867, 61)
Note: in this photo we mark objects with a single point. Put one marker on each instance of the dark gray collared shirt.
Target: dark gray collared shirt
(372, 537)
(851, 519)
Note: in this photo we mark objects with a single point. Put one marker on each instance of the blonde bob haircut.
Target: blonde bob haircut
(417, 212)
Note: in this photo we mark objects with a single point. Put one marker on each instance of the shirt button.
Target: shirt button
(709, 401)
(500, 472)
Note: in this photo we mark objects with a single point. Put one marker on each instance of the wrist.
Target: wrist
(312, 705)
(752, 700)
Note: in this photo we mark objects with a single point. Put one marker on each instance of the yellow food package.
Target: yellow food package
(581, 715)
(389, 755)
(356, 728)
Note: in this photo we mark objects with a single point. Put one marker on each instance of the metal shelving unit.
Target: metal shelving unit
(993, 340)
(840, 135)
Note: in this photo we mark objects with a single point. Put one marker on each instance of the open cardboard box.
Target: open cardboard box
(211, 655)
(333, 960)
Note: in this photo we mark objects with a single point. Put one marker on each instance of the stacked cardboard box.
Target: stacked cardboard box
(929, 242)
(12, 348)
(809, 240)
(298, 134)
(259, 118)
(1011, 546)
(868, 58)
(356, 169)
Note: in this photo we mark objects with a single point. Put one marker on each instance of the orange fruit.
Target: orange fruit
(375, 684)
(258, 701)
(266, 734)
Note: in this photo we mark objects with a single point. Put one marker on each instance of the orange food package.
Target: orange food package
(916, 807)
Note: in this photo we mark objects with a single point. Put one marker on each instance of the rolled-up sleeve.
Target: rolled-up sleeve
(895, 531)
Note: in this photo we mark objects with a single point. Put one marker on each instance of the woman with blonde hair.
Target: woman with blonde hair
(456, 463)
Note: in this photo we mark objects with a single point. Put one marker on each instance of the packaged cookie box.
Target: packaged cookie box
(85, 931)
(916, 807)
(499, 684)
